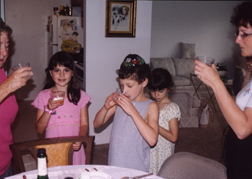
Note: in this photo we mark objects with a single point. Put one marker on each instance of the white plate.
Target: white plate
(95, 175)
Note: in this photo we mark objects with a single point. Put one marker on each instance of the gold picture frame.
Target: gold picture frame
(121, 18)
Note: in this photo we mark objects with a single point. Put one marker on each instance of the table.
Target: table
(197, 88)
(102, 172)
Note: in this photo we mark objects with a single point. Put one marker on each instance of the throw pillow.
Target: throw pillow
(187, 50)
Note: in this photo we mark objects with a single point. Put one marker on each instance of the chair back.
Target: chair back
(62, 152)
(59, 151)
(183, 165)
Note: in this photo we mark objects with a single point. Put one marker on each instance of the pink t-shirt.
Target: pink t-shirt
(8, 112)
(65, 121)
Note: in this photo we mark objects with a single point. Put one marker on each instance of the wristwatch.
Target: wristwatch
(48, 110)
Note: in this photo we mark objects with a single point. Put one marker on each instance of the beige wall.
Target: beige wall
(104, 56)
(203, 23)
(2, 9)
(159, 29)
(28, 19)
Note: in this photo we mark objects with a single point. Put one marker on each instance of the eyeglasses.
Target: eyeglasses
(243, 36)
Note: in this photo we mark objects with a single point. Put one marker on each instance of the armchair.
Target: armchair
(191, 166)
(183, 91)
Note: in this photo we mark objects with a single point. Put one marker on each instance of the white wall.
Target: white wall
(28, 19)
(204, 23)
(104, 56)
(2, 9)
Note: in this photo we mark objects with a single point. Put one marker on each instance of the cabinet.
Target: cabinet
(80, 68)
(79, 3)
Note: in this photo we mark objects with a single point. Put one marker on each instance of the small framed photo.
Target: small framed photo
(121, 18)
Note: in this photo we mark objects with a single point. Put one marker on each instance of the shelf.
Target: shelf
(77, 3)
(79, 66)
(80, 69)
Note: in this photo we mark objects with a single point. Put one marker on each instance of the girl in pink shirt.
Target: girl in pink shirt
(69, 119)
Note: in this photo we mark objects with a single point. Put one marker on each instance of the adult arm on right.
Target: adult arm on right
(240, 121)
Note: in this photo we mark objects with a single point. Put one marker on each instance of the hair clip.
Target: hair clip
(129, 62)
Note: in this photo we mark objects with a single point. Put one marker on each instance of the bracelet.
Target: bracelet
(48, 110)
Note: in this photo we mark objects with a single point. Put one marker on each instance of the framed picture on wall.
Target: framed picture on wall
(120, 18)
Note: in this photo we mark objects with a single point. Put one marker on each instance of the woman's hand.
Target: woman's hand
(208, 75)
(18, 78)
(77, 145)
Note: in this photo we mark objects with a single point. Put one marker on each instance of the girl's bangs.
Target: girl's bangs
(62, 62)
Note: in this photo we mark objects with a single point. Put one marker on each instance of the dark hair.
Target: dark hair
(64, 59)
(135, 68)
(159, 79)
(5, 28)
(242, 15)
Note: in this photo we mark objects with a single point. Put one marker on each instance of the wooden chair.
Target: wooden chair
(59, 151)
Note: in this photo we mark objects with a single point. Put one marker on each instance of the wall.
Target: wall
(104, 56)
(2, 9)
(204, 23)
(28, 19)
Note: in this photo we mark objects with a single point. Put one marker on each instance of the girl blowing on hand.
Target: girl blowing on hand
(135, 125)
(69, 119)
(160, 83)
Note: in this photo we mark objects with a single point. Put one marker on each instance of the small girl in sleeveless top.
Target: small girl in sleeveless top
(135, 124)
(160, 83)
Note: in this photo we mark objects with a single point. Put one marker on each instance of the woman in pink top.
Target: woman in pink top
(8, 103)
(69, 119)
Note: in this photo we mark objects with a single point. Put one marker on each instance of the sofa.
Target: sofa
(183, 91)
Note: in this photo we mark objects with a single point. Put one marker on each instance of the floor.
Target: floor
(207, 142)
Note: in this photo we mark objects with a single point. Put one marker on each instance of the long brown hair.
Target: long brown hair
(64, 59)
